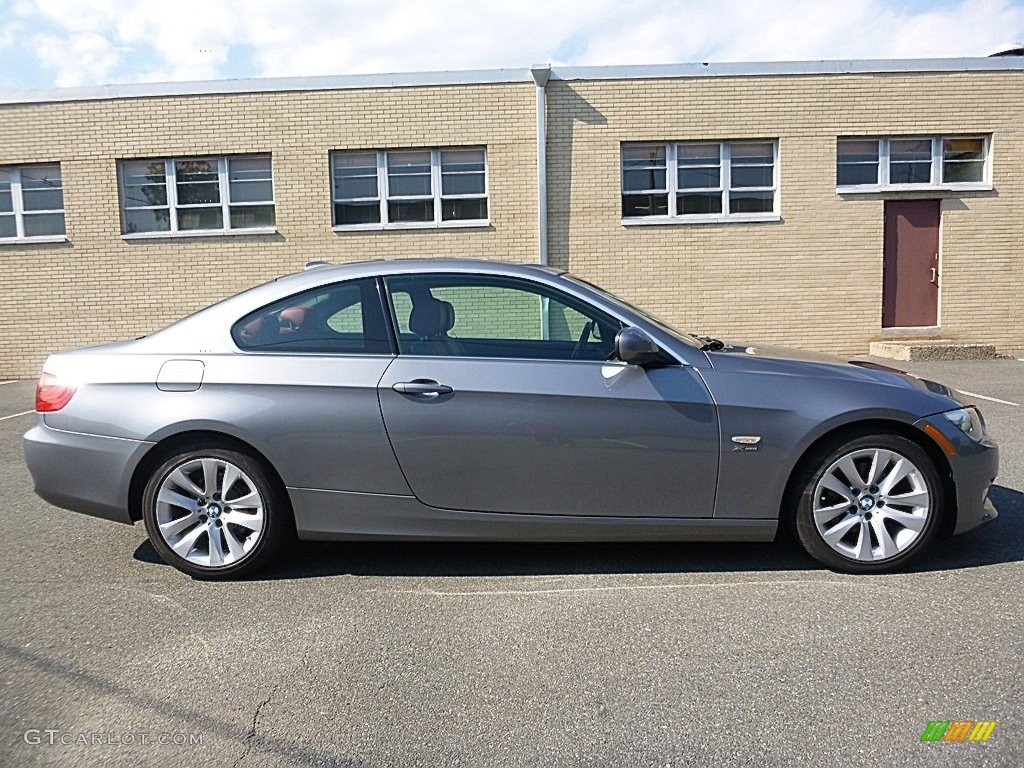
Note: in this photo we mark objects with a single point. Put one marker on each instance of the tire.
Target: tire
(204, 534)
(901, 516)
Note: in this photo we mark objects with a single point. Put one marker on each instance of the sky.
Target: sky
(58, 43)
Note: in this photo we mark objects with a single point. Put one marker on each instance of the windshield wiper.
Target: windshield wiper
(710, 344)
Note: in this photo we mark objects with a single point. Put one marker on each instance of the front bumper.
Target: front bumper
(974, 469)
(83, 473)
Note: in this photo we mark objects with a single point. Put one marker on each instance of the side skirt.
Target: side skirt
(345, 516)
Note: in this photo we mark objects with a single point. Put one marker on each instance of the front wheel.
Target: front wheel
(869, 505)
(214, 513)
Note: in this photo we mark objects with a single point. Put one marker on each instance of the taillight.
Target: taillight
(52, 394)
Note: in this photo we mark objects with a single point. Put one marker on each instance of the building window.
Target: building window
(644, 180)
(954, 162)
(910, 161)
(409, 188)
(963, 160)
(197, 195)
(857, 162)
(699, 181)
(31, 203)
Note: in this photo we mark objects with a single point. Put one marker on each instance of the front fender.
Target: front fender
(788, 414)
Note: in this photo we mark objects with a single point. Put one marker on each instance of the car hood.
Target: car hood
(765, 358)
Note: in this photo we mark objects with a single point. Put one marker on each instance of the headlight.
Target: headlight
(968, 420)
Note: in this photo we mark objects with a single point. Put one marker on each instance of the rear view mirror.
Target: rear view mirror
(635, 347)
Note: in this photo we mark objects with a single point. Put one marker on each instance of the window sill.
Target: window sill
(33, 240)
(869, 189)
(736, 218)
(198, 233)
(465, 224)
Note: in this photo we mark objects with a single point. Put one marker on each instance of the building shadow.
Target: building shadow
(1001, 541)
(205, 720)
(567, 111)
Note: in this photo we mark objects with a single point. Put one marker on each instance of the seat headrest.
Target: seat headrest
(294, 315)
(252, 329)
(262, 330)
(431, 317)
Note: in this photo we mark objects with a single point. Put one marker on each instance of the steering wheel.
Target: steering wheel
(584, 338)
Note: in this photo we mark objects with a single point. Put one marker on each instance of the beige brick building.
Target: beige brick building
(794, 203)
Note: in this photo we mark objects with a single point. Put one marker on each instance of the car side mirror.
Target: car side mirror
(635, 347)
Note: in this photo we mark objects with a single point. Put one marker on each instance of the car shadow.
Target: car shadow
(1002, 541)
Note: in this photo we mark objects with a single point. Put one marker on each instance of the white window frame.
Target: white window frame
(724, 181)
(18, 208)
(666, 190)
(383, 193)
(722, 189)
(935, 184)
(171, 183)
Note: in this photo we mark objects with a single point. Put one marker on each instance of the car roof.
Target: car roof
(415, 265)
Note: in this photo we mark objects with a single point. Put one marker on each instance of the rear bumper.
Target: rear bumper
(974, 468)
(84, 473)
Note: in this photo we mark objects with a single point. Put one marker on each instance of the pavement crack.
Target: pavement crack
(250, 736)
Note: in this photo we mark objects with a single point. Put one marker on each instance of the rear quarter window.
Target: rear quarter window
(343, 318)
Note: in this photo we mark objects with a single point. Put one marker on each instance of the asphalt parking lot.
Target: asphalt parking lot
(484, 655)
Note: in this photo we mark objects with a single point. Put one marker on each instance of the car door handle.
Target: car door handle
(422, 387)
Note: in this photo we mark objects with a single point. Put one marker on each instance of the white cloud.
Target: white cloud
(78, 58)
(10, 26)
(8, 35)
(192, 39)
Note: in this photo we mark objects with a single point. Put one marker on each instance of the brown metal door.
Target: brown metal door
(910, 288)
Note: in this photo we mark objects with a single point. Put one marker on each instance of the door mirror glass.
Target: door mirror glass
(635, 347)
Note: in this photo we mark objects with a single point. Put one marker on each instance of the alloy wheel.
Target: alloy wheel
(871, 504)
(209, 512)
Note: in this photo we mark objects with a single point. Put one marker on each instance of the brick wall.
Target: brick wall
(814, 279)
(98, 287)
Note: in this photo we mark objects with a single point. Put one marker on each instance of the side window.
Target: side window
(344, 318)
(401, 303)
(473, 316)
(347, 320)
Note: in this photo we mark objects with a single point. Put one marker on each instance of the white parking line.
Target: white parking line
(986, 397)
(15, 415)
(817, 583)
(9, 381)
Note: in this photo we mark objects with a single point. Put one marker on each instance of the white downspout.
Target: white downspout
(541, 74)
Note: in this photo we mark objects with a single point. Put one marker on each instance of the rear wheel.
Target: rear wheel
(214, 513)
(869, 505)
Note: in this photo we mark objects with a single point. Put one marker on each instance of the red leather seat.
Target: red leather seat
(251, 330)
(294, 317)
(261, 332)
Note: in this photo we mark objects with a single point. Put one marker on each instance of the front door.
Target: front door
(910, 292)
(502, 401)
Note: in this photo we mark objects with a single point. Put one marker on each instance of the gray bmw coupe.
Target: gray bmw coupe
(475, 400)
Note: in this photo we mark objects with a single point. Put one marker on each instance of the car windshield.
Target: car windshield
(686, 338)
